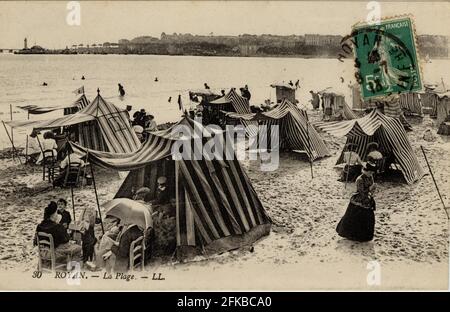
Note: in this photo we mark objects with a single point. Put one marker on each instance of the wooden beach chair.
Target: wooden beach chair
(48, 165)
(137, 254)
(46, 253)
(72, 177)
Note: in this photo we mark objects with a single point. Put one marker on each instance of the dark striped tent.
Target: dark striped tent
(442, 108)
(410, 104)
(335, 107)
(68, 109)
(429, 102)
(76, 106)
(233, 102)
(99, 126)
(217, 208)
(388, 132)
(109, 131)
(295, 131)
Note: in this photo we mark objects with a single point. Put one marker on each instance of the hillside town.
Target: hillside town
(243, 45)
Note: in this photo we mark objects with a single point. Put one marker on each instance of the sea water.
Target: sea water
(22, 76)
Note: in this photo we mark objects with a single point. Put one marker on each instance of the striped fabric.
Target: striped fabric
(335, 106)
(90, 136)
(410, 104)
(442, 109)
(217, 208)
(388, 132)
(76, 106)
(67, 120)
(114, 125)
(347, 113)
(241, 106)
(37, 110)
(157, 147)
(295, 131)
(430, 100)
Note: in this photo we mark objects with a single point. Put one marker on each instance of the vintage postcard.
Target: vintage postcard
(224, 145)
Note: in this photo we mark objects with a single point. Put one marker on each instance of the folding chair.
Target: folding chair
(137, 253)
(72, 177)
(46, 253)
(48, 165)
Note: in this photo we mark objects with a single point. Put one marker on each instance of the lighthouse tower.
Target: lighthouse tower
(25, 45)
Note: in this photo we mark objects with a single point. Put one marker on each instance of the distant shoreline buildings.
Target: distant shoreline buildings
(308, 45)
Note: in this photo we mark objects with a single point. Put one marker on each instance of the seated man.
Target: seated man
(51, 225)
(64, 165)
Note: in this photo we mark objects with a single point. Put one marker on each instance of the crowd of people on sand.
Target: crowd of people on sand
(143, 123)
(77, 241)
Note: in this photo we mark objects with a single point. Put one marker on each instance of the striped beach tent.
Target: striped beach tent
(233, 102)
(429, 101)
(295, 131)
(81, 102)
(410, 104)
(76, 106)
(388, 132)
(335, 107)
(214, 203)
(443, 108)
(100, 126)
(110, 131)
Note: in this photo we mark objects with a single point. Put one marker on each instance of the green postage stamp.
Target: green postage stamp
(386, 58)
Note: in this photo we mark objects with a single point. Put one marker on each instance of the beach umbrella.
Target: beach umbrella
(129, 212)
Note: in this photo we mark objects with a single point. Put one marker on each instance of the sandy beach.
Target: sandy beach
(411, 232)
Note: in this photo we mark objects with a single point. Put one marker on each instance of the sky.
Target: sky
(44, 23)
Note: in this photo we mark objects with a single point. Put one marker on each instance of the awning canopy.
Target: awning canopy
(282, 85)
(203, 92)
(222, 100)
(67, 120)
(37, 110)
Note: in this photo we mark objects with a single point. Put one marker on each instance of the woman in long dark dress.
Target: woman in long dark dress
(358, 222)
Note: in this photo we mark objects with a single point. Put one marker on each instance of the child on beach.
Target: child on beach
(66, 219)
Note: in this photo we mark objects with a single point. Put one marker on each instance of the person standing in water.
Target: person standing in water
(358, 222)
(121, 90)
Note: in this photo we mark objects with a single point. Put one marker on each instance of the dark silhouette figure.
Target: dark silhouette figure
(121, 90)
(156, 79)
(206, 86)
(82, 77)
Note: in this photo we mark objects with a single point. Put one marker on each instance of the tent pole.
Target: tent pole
(96, 196)
(435, 184)
(73, 203)
(71, 187)
(12, 132)
(12, 143)
(26, 142)
(309, 143)
(348, 170)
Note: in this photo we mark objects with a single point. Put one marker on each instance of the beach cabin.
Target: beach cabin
(284, 91)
